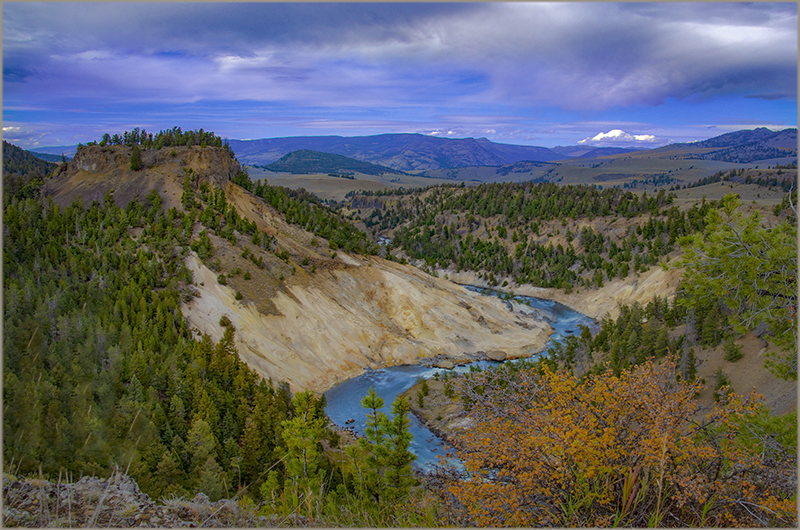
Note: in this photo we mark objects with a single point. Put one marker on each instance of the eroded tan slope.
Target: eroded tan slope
(595, 303)
(369, 314)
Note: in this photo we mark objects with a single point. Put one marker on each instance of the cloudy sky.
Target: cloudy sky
(525, 73)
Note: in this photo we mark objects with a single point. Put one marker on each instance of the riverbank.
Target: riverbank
(362, 313)
(442, 415)
(447, 418)
(595, 303)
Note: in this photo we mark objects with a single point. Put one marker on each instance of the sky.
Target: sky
(528, 73)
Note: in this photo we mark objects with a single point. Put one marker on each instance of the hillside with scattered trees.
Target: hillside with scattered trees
(102, 373)
(23, 172)
(540, 234)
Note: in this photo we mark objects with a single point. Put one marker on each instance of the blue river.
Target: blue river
(344, 400)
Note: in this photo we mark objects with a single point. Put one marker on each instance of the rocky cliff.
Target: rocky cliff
(96, 170)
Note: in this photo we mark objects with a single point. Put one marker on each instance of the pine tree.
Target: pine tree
(168, 476)
(399, 476)
(136, 158)
(384, 469)
(211, 480)
(691, 366)
(752, 270)
(302, 435)
(200, 443)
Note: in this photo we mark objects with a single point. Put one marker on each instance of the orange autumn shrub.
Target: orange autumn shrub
(548, 449)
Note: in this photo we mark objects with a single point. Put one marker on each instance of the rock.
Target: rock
(39, 503)
(446, 364)
(201, 498)
(496, 355)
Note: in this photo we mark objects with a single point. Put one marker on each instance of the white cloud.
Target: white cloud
(618, 137)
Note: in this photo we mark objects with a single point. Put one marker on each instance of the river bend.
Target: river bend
(344, 400)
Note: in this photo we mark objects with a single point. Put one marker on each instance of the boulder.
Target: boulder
(496, 355)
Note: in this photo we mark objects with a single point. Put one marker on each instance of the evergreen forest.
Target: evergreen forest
(506, 231)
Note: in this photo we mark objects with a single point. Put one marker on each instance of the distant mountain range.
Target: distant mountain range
(306, 161)
(53, 153)
(734, 138)
(776, 145)
(419, 152)
(588, 151)
(404, 152)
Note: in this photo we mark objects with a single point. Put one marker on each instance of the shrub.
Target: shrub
(722, 381)
(733, 351)
(550, 449)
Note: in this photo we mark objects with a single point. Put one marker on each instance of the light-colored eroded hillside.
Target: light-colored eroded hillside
(367, 313)
(595, 303)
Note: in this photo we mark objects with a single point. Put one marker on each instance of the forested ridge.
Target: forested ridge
(23, 173)
(100, 369)
(297, 207)
(783, 177)
(506, 230)
(304, 161)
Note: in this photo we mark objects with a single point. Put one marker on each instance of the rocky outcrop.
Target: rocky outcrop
(116, 502)
(592, 302)
(496, 355)
(96, 170)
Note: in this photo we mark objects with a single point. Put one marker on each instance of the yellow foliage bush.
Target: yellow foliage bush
(549, 449)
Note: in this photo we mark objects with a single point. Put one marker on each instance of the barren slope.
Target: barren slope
(595, 303)
(366, 313)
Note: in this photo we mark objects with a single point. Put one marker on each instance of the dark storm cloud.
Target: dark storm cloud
(586, 56)
(513, 58)
(209, 28)
(580, 55)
